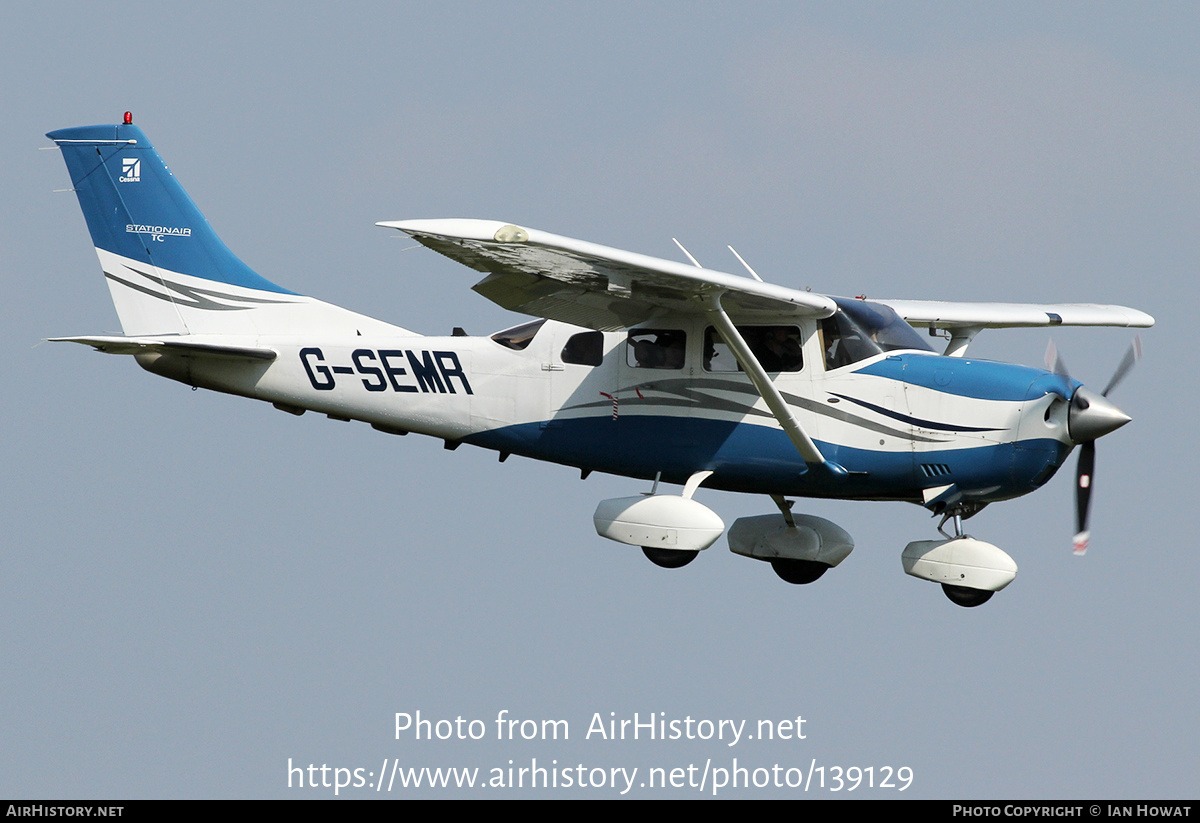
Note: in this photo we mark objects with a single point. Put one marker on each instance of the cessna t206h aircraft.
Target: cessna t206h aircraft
(636, 366)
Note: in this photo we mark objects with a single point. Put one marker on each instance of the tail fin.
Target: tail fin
(167, 270)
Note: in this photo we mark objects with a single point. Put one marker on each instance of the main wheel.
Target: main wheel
(798, 571)
(967, 598)
(669, 558)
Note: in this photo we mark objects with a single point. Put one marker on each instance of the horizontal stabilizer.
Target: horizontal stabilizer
(143, 345)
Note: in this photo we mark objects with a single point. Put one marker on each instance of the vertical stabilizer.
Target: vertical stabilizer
(167, 270)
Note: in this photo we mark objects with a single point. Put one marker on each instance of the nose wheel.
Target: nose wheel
(969, 571)
(961, 595)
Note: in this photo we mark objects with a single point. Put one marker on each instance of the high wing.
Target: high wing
(586, 284)
(945, 315)
(965, 320)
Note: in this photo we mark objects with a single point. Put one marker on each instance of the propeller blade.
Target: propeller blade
(1127, 362)
(1089, 417)
(1054, 361)
(1083, 494)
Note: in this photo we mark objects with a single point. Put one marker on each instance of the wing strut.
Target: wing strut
(960, 338)
(766, 389)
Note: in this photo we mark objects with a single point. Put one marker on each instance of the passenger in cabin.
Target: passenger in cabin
(653, 349)
(778, 349)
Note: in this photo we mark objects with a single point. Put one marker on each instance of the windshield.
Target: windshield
(860, 330)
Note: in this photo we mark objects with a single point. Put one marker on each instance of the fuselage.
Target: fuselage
(663, 400)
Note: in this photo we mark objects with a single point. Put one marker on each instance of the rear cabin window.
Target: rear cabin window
(519, 337)
(776, 347)
(656, 348)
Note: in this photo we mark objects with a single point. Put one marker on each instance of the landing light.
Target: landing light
(511, 234)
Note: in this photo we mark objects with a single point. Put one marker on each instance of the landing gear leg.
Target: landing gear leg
(785, 508)
(956, 516)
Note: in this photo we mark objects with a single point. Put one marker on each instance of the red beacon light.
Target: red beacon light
(128, 118)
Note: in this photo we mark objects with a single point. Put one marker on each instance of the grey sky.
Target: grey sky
(197, 588)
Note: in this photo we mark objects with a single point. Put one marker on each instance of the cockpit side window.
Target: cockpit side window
(584, 349)
(656, 348)
(519, 337)
(778, 349)
(845, 342)
(860, 329)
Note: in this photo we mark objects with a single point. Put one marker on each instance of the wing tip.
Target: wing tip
(458, 228)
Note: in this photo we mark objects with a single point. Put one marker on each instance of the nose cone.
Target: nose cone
(1092, 416)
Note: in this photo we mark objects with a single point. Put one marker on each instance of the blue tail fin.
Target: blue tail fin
(135, 207)
(167, 271)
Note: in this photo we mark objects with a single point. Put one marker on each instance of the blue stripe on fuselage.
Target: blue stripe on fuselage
(980, 379)
(762, 460)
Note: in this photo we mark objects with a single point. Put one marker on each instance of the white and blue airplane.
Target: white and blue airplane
(635, 366)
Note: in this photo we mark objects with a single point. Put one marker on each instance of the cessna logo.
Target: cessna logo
(157, 233)
(131, 170)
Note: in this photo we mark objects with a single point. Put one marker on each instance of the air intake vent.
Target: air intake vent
(935, 469)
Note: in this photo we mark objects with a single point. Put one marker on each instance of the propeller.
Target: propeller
(1091, 416)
